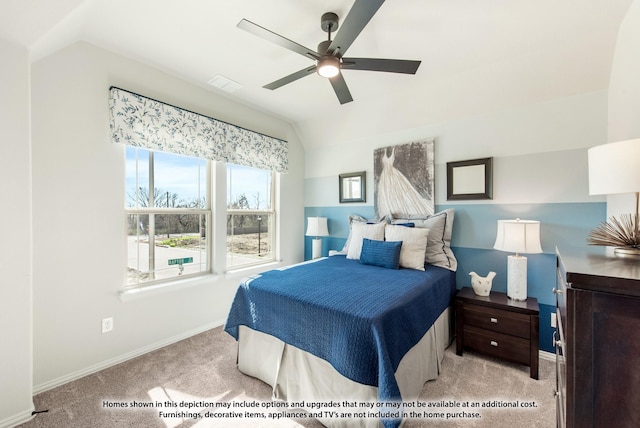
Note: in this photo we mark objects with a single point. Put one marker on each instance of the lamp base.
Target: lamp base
(517, 277)
(630, 252)
(316, 248)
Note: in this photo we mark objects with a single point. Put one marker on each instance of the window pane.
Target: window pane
(162, 246)
(137, 177)
(248, 239)
(178, 181)
(179, 244)
(137, 248)
(248, 188)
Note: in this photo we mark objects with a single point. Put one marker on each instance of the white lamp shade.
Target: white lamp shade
(613, 168)
(317, 226)
(518, 236)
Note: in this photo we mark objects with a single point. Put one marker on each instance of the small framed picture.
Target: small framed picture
(470, 179)
(352, 187)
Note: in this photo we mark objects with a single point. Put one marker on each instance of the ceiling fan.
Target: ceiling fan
(329, 57)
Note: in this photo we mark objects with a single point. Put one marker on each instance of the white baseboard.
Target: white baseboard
(121, 358)
(544, 355)
(17, 419)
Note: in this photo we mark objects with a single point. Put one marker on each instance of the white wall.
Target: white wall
(624, 85)
(15, 252)
(624, 95)
(78, 200)
(539, 151)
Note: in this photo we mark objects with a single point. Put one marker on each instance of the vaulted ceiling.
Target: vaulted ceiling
(476, 56)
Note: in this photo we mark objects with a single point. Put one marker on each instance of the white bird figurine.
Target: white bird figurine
(481, 286)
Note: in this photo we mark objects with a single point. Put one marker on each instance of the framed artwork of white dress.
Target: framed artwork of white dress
(404, 180)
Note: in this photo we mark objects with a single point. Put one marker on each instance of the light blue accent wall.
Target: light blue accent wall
(475, 225)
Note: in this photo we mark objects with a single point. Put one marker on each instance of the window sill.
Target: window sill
(180, 284)
(252, 270)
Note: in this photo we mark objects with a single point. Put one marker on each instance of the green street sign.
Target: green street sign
(180, 261)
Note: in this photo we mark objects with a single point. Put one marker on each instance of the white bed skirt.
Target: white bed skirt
(297, 375)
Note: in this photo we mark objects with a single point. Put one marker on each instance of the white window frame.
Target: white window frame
(272, 215)
(151, 211)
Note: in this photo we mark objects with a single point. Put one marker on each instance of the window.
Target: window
(250, 216)
(168, 216)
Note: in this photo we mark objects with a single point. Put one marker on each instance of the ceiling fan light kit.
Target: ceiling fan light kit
(328, 66)
(330, 58)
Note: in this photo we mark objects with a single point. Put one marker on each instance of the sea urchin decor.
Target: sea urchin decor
(622, 233)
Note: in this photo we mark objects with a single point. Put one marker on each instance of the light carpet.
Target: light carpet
(202, 369)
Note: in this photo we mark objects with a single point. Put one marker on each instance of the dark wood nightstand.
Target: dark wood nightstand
(498, 326)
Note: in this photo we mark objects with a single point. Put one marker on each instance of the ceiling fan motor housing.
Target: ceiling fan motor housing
(323, 47)
(329, 22)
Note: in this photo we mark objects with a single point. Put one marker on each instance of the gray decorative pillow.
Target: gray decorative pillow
(440, 226)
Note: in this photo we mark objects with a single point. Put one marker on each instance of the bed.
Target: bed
(339, 328)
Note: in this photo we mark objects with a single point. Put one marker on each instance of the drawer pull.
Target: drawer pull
(494, 343)
(557, 291)
(494, 320)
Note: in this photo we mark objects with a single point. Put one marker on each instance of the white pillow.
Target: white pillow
(355, 218)
(359, 231)
(414, 244)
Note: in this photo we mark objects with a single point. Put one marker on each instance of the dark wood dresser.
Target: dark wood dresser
(597, 340)
(498, 326)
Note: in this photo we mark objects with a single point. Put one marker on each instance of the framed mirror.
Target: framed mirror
(470, 179)
(352, 187)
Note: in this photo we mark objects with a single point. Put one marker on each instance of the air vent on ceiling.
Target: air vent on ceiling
(224, 83)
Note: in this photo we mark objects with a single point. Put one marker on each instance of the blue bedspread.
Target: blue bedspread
(362, 319)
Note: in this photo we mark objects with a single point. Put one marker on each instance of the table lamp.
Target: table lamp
(613, 169)
(317, 226)
(518, 236)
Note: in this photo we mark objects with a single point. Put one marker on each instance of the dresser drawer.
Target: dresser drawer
(497, 344)
(498, 320)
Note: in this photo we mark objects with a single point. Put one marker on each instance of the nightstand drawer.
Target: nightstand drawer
(496, 344)
(498, 326)
(498, 320)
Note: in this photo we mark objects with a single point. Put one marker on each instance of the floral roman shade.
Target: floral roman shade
(144, 122)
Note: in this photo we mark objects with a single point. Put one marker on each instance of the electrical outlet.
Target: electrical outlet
(553, 320)
(107, 325)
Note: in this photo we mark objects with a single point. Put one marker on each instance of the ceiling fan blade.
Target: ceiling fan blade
(290, 78)
(379, 64)
(341, 89)
(358, 17)
(277, 39)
